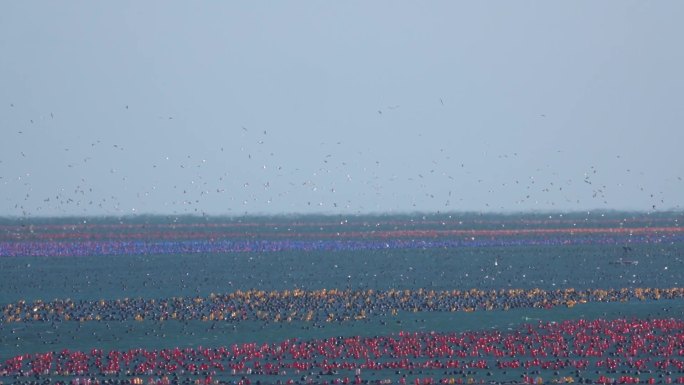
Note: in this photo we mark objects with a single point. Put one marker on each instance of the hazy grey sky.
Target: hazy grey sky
(340, 107)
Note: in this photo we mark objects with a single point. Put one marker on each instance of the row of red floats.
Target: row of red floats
(616, 345)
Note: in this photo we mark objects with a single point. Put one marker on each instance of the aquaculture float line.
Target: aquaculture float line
(598, 351)
(325, 305)
(209, 246)
(263, 233)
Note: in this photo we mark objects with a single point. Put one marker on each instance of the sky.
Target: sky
(354, 107)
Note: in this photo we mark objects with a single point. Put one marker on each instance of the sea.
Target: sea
(161, 257)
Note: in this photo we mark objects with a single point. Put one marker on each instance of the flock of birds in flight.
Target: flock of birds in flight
(262, 177)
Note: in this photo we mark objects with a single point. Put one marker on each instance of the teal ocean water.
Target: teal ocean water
(600, 262)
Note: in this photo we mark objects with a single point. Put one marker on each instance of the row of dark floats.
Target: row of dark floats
(317, 305)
